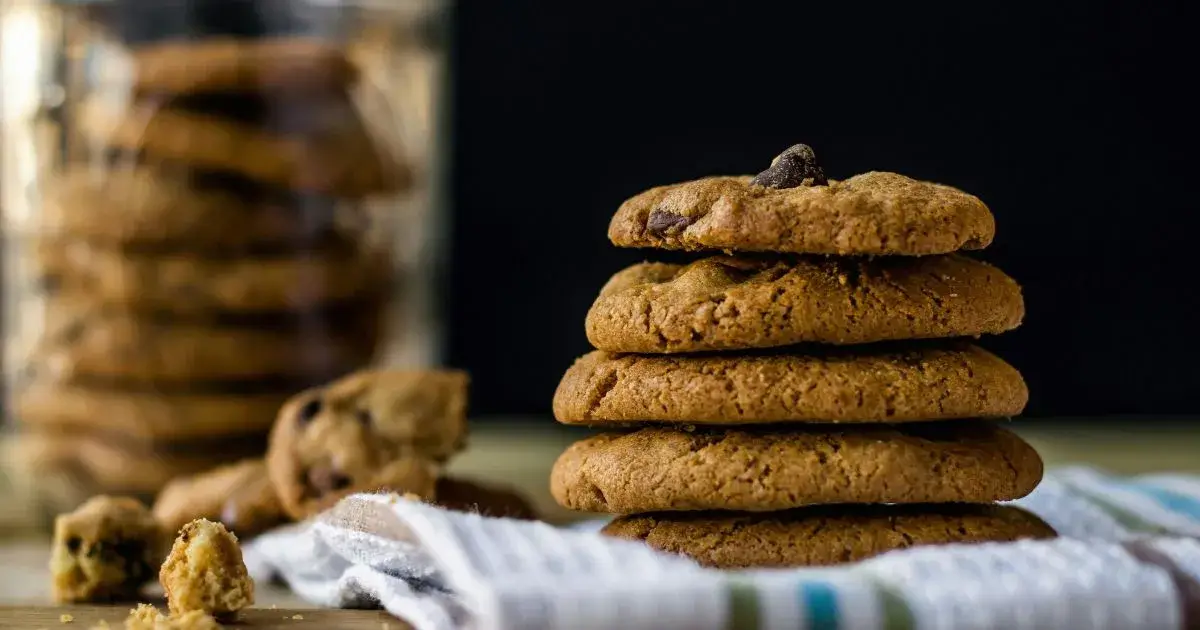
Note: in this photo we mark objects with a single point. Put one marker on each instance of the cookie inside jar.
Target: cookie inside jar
(224, 224)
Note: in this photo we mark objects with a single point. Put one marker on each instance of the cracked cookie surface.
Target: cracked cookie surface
(877, 384)
(737, 303)
(668, 469)
(823, 535)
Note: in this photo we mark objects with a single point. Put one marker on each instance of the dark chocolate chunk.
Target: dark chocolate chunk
(309, 411)
(795, 167)
(325, 479)
(660, 222)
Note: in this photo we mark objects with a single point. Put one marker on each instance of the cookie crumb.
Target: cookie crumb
(65, 618)
(205, 572)
(298, 617)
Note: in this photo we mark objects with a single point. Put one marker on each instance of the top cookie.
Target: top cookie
(873, 213)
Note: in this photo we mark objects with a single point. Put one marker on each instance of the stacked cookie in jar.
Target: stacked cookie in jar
(206, 251)
(807, 398)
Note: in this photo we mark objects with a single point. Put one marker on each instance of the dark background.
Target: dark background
(1071, 120)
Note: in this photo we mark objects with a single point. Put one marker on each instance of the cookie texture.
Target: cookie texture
(318, 146)
(822, 535)
(241, 65)
(205, 572)
(890, 384)
(239, 496)
(727, 303)
(145, 415)
(105, 550)
(371, 430)
(132, 205)
(664, 469)
(195, 284)
(116, 346)
(874, 213)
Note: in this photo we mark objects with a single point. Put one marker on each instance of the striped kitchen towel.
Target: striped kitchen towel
(1128, 556)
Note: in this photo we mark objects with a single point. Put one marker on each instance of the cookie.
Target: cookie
(136, 205)
(89, 343)
(661, 469)
(319, 146)
(726, 303)
(292, 64)
(823, 535)
(195, 284)
(464, 495)
(204, 571)
(370, 430)
(147, 617)
(870, 214)
(240, 496)
(106, 550)
(873, 384)
(105, 464)
(145, 415)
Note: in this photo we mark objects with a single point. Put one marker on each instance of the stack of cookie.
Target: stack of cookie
(209, 253)
(810, 399)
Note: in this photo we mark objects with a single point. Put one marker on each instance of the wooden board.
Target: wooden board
(88, 617)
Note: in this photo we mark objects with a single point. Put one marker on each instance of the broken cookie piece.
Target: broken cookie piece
(239, 495)
(205, 572)
(105, 550)
(147, 617)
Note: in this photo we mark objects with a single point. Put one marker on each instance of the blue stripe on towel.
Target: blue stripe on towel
(820, 604)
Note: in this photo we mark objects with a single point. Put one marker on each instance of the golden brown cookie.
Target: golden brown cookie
(823, 535)
(137, 205)
(240, 496)
(117, 346)
(869, 214)
(105, 550)
(857, 384)
(195, 284)
(664, 469)
(242, 65)
(319, 146)
(725, 303)
(367, 431)
(146, 415)
(464, 495)
(205, 571)
(147, 617)
(113, 467)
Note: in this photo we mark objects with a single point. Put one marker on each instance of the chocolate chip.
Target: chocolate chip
(795, 167)
(661, 222)
(73, 544)
(325, 479)
(364, 416)
(309, 411)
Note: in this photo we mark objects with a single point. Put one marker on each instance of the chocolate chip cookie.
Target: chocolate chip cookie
(661, 469)
(367, 431)
(291, 64)
(145, 415)
(791, 207)
(105, 550)
(113, 345)
(727, 303)
(903, 383)
(195, 284)
(823, 535)
(240, 496)
(138, 205)
(319, 146)
(204, 571)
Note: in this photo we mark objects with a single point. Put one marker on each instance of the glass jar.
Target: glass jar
(209, 206)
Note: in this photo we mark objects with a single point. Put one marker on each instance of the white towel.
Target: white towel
(1128, 556)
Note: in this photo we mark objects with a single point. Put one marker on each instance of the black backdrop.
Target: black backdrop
(1072, 120)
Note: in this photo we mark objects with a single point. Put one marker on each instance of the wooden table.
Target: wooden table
(520, 453)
